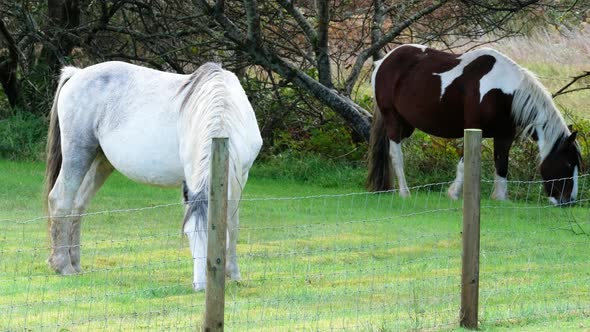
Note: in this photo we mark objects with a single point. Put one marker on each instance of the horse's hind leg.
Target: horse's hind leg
(98, 173)
(397, 158)
(397, 129)
(75, 165)
(233, 223)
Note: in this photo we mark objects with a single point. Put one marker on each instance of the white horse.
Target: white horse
(155, 128)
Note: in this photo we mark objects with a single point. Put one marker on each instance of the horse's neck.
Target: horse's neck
(548, 135)
(533, 108)
(202, 117)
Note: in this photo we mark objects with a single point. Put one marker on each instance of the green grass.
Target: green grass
(324, 259)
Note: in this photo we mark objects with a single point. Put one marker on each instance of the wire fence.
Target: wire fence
(353, 262)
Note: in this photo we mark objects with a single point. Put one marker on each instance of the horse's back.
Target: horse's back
(405, 85)
(110, 89)
(134, 115)
(406, 76)
(442, 93)
(131, 112)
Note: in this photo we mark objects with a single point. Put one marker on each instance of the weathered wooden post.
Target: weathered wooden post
(216, 239)
(471, 215)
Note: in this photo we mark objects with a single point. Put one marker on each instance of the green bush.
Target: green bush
(294, 122)
(428, 159)
(22, 136)
(311, 168)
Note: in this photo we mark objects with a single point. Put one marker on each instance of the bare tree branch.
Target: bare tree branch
(355, 115)
(230, 29)
(564, 89)
(8, 68)
(516, 5)
(253, 19)
(321, 46)
(384, 40)
(303, 23)
(377, 25)
(290, 40)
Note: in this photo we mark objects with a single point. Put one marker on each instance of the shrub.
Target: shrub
(22, 136)
(311, 168)
(294, 122)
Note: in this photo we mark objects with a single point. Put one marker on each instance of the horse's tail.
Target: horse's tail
(380, 166)
(53, 152)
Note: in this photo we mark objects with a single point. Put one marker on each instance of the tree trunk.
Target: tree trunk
(321, 47)
(63, 15)
(9, 66)
(358, 118)
(251, 44)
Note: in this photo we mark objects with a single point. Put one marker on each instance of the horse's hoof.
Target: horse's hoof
(454, 192)
(234, 276)
(68, 270)
(199, 286)
(77, 268)
(233, 273)
(404, 193)
(453, 195)
(61, 266)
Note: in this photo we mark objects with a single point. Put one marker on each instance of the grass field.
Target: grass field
(320, 258)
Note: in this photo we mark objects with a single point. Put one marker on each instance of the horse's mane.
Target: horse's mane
(533, 107)
(203, 112)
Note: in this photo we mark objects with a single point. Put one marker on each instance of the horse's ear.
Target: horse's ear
(568, 141)
(572, 138)
(184, 192)
(570, 127)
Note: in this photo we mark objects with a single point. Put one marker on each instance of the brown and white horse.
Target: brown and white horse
(442, 93)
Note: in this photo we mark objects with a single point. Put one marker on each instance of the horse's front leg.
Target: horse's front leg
(457, 185)
(231, 264)
(397, 158)
(198, 244)
(195, 228)
(501, 150)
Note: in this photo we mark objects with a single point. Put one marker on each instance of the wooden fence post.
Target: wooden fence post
(471, 215)
(216, 236)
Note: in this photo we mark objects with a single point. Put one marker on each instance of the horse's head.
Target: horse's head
(560, 171)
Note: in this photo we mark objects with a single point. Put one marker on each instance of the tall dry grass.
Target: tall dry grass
(555, 57)
(550, 46)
